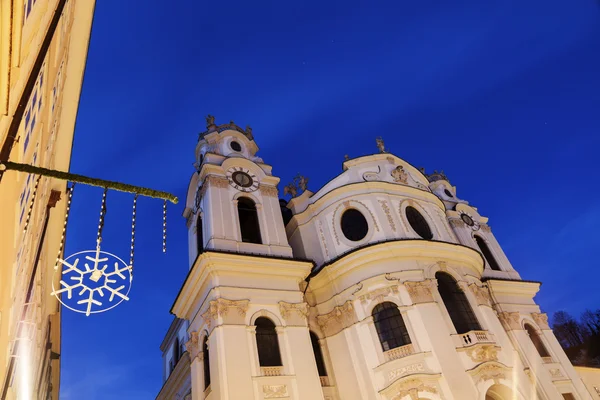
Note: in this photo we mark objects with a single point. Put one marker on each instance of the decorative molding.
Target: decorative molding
(388, 214)
(457, 223)
(217, 181)
(338, 319)
(420, 292)
(220, 307)
(481, 293)
(510, 320)
(323, 239)
(275, 391)
(192, 345)
(399, 175)
(407, 370)
(377, 295)
(491, 370)
(556, 373)
(483, 352)
(412, 387)
(541, 319)
(299, 308)
(269, 191)
(370, 212)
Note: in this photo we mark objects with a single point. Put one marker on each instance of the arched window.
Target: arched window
(248, 216)
(199, 238)
(390, 326)
(206, 361)
(418, 223)
(314, 339)
(489, 257)
(456, 303)
(267, 343)
(537, 341)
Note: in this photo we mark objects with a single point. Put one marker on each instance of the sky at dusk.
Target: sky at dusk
(504, 96)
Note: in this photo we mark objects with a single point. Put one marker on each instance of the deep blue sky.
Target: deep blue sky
(504, 96)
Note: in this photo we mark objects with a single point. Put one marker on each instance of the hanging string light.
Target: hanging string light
(101, 222)
(64, 230)
(165, 226)
(31, 203)
(133, 216)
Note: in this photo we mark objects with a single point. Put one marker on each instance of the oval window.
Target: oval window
(236, 146)
(448, 193)
(354, 225)
(418, 223)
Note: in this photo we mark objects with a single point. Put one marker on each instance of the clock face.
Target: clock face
(242, 179)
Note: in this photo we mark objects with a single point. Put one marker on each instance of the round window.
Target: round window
(448, 193)
(418, 223)
(236, 146)
(467, 219)
(354, 225)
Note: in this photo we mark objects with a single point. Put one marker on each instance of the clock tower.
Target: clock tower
(232, 202)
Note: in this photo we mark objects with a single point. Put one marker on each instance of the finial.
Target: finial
(249, 132)
(346, 157)
(380, 144)
(231, 123)
(299, 183)
(302, 181)
(290, 189)
(210, 121)
(422, 169)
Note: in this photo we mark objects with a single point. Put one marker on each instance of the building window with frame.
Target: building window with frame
(314, 339)
(456, 302)
(267, 343)
(537, 341)
(487, 253)
(206, 361)
(390, 326)
(248, 216)
(199, 238)
(418, 223)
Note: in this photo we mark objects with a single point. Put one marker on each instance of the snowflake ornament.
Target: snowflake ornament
(85, 286)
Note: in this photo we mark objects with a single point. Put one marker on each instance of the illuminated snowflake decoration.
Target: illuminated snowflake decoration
(86, 285)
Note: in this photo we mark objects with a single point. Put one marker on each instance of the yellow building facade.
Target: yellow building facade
(381, 285)
(40, 77)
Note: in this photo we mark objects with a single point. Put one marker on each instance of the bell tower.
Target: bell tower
(232, 202)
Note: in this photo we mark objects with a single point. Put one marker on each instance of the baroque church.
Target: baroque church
(382, 285)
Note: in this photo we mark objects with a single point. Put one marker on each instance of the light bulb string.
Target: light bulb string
(101, 221)
(64, 230)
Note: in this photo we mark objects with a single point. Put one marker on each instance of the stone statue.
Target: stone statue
(290, 189)
(380, 144)
(249, 132)
(346, 157)
(302, 181)
(210, 120)
(399, 175)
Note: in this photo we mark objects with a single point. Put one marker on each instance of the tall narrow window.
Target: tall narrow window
(390, 326)
(206, 363)
(318, 354)
(248, 216)
(176, 354)
(199, 238)
(418, 223)
(267, 343)
(537, 341)
(462, 315)
(489, 257)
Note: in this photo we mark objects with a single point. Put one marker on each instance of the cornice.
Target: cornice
(513, 287)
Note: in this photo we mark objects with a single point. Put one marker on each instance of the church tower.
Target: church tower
(381, 285)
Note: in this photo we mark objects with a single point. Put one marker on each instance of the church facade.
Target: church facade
(382, 285)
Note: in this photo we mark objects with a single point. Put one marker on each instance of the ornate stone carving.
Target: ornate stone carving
(338, 319)
(192, 345)
(510, 320)
(412, 387)
(457, 223)
(489, 371)
(299, 308)
(216, 181)
(481, 293)
(556, 373)
(420, 292)
(541, 319)
(323, 239)
(275, 391)
(481, 353)
(485, 228)
(409, 369)
(388, 214)
(268, 191)
(399, 175)
(377, 295)
(220, 307)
